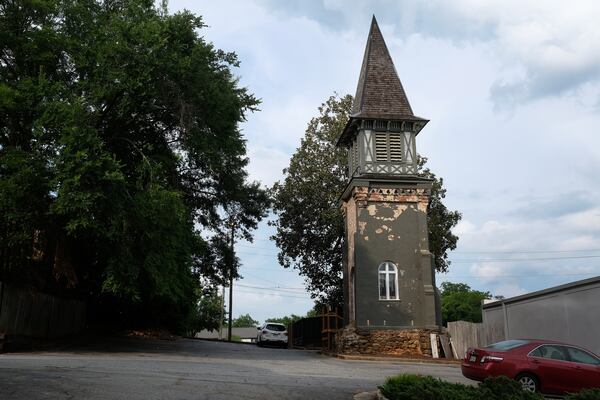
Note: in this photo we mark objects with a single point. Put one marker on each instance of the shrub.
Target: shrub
(417, 387)
(587, 394)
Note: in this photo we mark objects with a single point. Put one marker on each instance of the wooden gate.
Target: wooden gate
(331, 322)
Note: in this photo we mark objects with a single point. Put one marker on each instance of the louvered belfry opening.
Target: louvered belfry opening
(388, 147)
(381, 147)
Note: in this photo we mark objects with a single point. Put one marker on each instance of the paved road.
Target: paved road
(193, 369)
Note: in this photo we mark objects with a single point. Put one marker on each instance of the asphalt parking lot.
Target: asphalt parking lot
(135, 368)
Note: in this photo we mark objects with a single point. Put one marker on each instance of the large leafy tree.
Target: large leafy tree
(119, 144)
(209, 314)
(244, 321)
(461, 303)
(310, 226)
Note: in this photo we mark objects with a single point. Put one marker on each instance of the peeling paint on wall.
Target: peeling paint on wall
(361, 227)
(389, 224)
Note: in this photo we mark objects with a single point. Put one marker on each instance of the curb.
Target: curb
(396, 360)
(376, 395)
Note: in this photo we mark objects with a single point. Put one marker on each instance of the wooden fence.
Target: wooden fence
(37, 315)
(465, 334)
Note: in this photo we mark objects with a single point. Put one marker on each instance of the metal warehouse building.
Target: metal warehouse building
(568, 313)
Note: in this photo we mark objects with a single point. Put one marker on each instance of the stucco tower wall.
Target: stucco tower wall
(387, 221)
(350, 214)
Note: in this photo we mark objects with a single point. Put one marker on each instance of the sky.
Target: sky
(512, 90)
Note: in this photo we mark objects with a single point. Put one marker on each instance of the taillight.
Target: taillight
(485, 359)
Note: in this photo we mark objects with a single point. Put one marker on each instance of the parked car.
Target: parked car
(271, 332)
(538, 365)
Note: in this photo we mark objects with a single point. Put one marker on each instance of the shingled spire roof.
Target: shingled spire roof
(379, 93)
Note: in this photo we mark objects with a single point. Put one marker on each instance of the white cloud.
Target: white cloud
(555, 46)
(464, 227)
(587, 221)
(266, 163)
(488, 272)
(509, 290)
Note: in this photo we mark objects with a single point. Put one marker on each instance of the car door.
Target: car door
(552, 366)
(586, 368)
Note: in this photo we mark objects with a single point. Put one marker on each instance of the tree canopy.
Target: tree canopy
(309, 224)
(121, 161)
(461, 303)
(244, 321)
(285, 320)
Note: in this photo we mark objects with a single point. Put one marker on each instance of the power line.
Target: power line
(522, 259)
(271, 269)
(511, 276)
(525, 251)
(255, 247)
(258, 277)
(273, 294)
(464, 252)
(278, 288)
(256, 239)
(257, 254)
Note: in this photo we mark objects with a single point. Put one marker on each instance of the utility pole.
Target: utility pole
(222, 311)
(232, 224)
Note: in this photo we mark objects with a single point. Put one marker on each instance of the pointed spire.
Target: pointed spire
(379, 93)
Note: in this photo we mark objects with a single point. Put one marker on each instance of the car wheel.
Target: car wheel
(528, 382)
(259, 342)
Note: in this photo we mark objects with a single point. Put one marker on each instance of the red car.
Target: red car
(539, 365)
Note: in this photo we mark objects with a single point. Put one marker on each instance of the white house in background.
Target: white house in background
(245, 334)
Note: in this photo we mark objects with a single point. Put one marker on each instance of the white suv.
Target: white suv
(271, 332)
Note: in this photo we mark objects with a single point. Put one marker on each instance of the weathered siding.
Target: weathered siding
(465, 334)
(569, 313)
(493, 322)
(37, 315)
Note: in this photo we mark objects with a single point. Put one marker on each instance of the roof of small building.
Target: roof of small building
(539, 293)
(243, 333)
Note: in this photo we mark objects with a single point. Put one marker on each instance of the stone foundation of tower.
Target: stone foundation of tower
(390, 342)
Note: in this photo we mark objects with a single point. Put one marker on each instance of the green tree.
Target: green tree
(286, 320)
(244, 321)
(461, 303)
(209, 314)
(309, 224)
(119, 144)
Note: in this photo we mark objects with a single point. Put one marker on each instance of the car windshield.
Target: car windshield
(276, 328)
(507, 345)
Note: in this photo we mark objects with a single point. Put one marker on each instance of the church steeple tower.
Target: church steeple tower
(388, 269)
